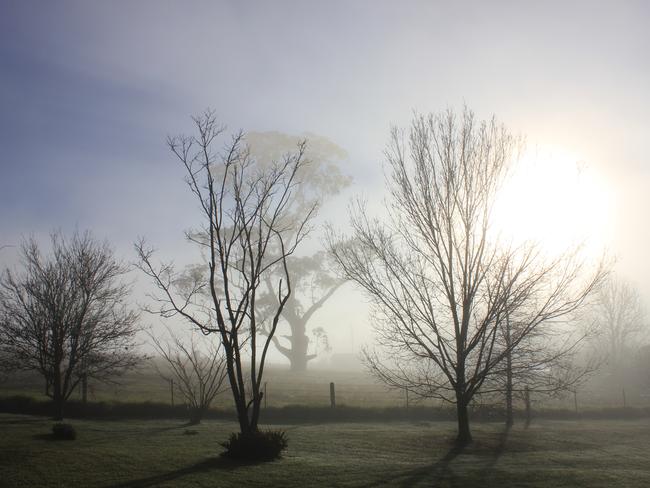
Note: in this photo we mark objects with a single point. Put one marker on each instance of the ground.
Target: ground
(169, 453)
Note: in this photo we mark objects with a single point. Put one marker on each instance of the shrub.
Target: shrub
(65, 432)
(255, 446)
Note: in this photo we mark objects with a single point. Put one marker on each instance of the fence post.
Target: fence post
(575, 399)
(265, 394)
(407, 397)
(332, 395)
(624, 399)
(171, 389)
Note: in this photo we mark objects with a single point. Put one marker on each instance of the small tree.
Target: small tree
(545, 362)
(248, 210)
(440, 281)
(65, 315)
(198, 369)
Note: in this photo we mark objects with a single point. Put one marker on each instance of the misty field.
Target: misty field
(169, 453)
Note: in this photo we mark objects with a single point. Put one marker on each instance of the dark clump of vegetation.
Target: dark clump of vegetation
(64, 432)
(255, 446)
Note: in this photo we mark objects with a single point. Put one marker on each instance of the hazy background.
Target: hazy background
(89, 91)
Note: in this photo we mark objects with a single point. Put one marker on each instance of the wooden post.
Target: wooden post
(624, 399)
(575, 399)
(265, 394)
(407, 397)
(332, 395)
(171, 389)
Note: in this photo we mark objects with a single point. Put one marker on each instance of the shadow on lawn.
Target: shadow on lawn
(440, 472)
(215, 463)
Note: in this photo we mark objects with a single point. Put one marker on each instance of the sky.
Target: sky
(90, 90)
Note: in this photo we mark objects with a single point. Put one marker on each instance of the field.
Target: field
(354, 388)
(167, 453)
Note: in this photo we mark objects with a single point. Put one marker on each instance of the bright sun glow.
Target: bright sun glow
(555, 199)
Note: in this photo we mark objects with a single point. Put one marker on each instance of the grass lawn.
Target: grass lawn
(162, 453)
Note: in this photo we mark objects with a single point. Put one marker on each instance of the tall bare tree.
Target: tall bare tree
(248, 210)
(197, 367)
(65, 315)
(440, 281)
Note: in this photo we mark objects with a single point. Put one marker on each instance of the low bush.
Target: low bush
(255, 446)
(64, 432)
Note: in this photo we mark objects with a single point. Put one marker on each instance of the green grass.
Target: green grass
(160, 453)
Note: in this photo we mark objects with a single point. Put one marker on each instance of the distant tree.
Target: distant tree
(197, 367)
(620, 322)
(440, 281)
(314, 284)
(251, 223)
(65, 315)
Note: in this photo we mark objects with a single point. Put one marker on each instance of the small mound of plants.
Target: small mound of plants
(255, 446)
(64, 432)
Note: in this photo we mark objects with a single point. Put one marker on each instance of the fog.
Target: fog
(90, 93)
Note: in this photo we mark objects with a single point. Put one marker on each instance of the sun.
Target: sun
(554, 198)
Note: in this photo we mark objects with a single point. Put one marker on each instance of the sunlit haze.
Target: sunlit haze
(553, 197)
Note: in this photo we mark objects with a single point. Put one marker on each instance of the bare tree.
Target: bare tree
(314, 285)
(65, 315)
(247, 210)
(197, 369)
(545, 362)
(440, 281)
(620, 320)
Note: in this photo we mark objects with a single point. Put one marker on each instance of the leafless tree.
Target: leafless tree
(197, 369)
(620, 320)
(546, 362)
(440, 281)
(247, 210)
(65, 315)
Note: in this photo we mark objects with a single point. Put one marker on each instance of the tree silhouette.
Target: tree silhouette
(65, 315)
(439, 280)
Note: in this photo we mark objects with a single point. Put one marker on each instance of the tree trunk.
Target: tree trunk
(299, 346)
(57, 396)
(196, 415)
(527, 401)
(464, 435)
(509, 415)
(84, 388)
(257, 403)
(298, 361)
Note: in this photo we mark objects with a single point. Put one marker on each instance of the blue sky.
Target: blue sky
(89, 91)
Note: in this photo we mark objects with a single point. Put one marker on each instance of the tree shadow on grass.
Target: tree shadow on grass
(213, 463)
(440, 472)
(434, 473)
